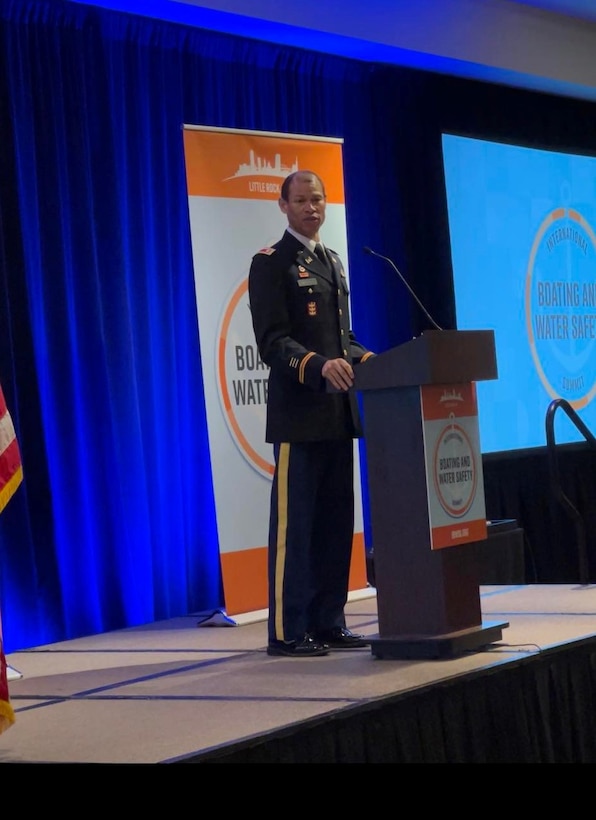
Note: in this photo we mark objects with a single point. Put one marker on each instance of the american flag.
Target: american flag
(11, 470)
(11, 475)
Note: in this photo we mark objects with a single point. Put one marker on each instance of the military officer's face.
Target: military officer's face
(305, 207)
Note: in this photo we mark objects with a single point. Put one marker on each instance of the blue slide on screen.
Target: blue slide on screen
(522, 224)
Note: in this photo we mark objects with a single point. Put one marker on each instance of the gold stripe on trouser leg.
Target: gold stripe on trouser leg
(283, 461)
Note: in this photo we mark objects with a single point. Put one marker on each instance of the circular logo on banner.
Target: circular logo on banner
(560, 305)
(455, 472)
(242, 381)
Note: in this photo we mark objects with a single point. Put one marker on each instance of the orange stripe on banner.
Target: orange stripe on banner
(245, 580)
(358, 566)
(463, 533)
(251, 166)
(245, 576)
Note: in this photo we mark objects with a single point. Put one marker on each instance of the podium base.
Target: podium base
(448, 645)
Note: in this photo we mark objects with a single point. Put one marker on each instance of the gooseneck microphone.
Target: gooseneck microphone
(416, 299)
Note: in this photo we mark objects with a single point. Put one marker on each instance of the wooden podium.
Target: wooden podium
(428, 598)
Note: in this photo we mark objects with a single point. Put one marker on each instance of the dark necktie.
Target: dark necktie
(322, 256)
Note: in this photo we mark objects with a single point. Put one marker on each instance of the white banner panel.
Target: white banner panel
(234, 179)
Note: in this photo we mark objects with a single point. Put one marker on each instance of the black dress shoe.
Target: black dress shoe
(308, 647)
(341, 638)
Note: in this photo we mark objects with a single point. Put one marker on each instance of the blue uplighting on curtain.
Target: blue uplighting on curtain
(114, 525)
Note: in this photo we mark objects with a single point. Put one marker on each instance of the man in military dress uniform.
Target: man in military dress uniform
(300, 312)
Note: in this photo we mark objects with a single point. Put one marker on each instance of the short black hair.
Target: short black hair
(285, 186)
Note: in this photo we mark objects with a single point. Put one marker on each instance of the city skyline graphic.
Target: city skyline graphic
(257, 166)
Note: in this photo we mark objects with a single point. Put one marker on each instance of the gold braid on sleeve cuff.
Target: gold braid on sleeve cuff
(303, 364)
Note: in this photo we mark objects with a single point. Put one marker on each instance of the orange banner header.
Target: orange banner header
(449, 401)
(248, 165)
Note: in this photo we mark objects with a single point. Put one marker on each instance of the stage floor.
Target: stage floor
(172, 690)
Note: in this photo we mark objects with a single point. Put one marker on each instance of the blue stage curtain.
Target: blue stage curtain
(114, 525)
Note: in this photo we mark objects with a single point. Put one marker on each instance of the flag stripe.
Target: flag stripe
(11, 472)
(7, 434)
(10, 487)
(11, 475)
(7, 716)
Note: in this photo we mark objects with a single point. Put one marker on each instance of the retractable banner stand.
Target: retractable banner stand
(234, 180)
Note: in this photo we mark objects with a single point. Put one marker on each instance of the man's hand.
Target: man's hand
(338, 373)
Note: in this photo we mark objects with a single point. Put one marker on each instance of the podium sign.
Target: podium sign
(426, 492)
(455, 482)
